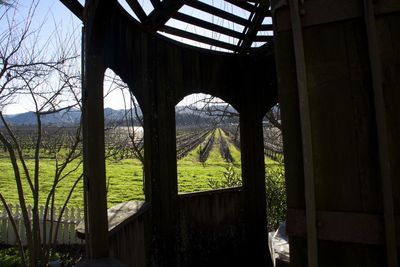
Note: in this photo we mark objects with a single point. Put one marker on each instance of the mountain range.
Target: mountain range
(183, 117)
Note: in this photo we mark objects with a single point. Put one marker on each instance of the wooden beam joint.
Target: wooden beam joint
(352, 227)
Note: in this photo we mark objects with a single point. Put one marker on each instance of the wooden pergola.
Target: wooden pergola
(336, 64)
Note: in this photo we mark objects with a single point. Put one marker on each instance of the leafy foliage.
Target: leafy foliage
(275, 190)
(65, 255)
(10, 258)
(276, 196)
(230, 179)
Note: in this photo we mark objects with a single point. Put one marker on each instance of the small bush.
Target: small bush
(275, 191)
(66, 255)
(276, 196)
(9, 257)
(229, 179)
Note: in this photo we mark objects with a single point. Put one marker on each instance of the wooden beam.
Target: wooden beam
(262, 38)
(198, 38)
(207, 25)
(75, 7)
(253, 188)
(160, 167)
(156, 3)
(383, 134)
(353, 227)
(265, 27)
(244, 5)
(217, 12)
(251, 31)
(159, 16)
(307, 145)
(94, 149)
(137, 8)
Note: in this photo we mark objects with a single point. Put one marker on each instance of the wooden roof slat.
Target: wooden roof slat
(163, 13)
(244, 5)
(207, 25)
(137, 9)
(198, 38)
(75, 7)
(217, 12)
(155, 3)
(266, 27)
(251, 33)
(263, 38)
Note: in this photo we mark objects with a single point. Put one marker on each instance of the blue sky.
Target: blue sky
(49, 13)
(53, 12)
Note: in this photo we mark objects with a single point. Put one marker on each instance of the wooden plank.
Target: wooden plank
(305, 119)
(217, 12)
(156, 3)
(137, 8)
(117, 215)
(254, 194)
(159, 16)
(266, 27)
(353, 227)
(321, 12)
(263, 38)
(244, 5)
(160, 158)
(251, 31)
(84, 150)
(93, 136)
(383, 136)
(75, 7)
(198, 38)
(207, 25)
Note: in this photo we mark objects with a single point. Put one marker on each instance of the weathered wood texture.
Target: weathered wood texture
(253, 175)
(160, 161)
(343, 123)
(93, 132)
(128, 239)
(211, 229)
(187, 70)
(161, 72)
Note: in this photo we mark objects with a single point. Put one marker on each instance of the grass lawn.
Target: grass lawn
(124, 177)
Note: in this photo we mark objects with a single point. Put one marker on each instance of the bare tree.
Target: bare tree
(126, 131)
(218, 113)
(30, 68)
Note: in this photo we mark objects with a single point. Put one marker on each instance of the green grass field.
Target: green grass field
(124, 177)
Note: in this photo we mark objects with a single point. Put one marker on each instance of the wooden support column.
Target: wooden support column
(308, 162)
(254, 198)
(383, 134)
(160, 164)
(93, 146)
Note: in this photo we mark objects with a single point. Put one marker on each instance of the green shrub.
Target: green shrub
(275, 190)
(9, 257)
(276, 195)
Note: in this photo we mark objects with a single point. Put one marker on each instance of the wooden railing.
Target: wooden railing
(209, 225)
(127, 239)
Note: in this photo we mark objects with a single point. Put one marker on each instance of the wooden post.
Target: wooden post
(383, 136)
(254, 198)
(308, 162)
(93, 147)
(160, 164)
